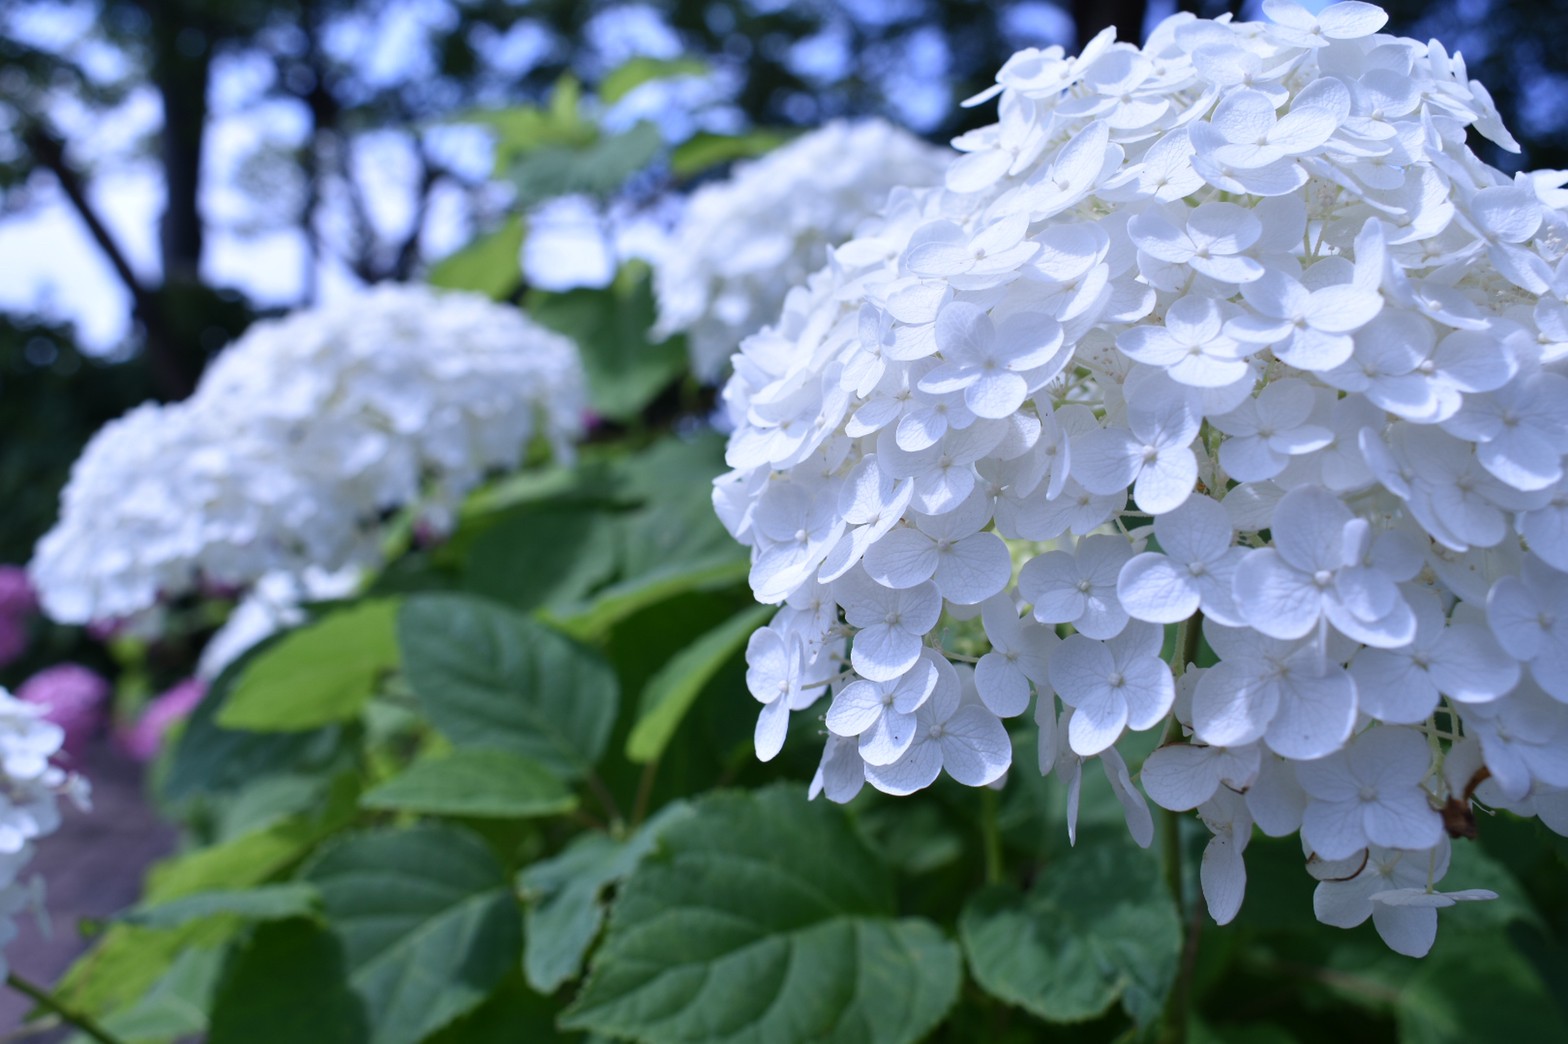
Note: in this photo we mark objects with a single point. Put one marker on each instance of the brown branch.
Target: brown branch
(168, 374)
(50, 151)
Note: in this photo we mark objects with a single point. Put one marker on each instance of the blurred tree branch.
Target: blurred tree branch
(170, 376)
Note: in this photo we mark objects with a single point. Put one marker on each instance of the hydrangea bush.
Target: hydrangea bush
(1216, 393)
(1159, 431)
(742, 242)
(301, 439)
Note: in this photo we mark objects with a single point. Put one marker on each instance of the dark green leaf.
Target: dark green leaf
(597, 168)
(287, 983)
(321, 673)
(427, 921)
(536, 558)
(491, 678)
(209, 759)
(481, 783)
(1471, 867)
(564, 897)
(764, 917)
(625, 370)
(670, 693)
(676, 526)
(1476, 987)
(265, 802)
(619, 601)
(513, 1014)
(1098, 926)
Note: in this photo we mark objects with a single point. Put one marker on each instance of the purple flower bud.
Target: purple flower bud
(73, 697)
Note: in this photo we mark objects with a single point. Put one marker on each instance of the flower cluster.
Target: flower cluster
(1230, 341)
(300, 440)
(29, 787)
(744, 241)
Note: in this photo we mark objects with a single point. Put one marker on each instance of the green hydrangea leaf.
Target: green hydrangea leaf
(670, 693)
(479, 783)
(427, 921)
(277, 902)
(1097, 927)
(764, 917)
(287, 983)
(322, 673)
(565, 897)
(491, 678)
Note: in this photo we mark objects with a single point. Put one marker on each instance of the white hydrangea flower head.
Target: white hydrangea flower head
(1229, 337)
(30, 785)
(742, 242)
(301, 438)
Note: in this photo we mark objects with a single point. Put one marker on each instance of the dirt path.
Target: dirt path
(93, 866)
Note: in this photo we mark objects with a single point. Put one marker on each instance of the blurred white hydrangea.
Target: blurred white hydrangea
(300, 439)
(30, 784)
(744, 241)
(1227, 338)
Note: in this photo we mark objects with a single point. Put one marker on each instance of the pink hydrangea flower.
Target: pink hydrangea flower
(73, 697)
(144, 739)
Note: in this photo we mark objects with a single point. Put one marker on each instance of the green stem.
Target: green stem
(1188, 634)
(1171, 841)
(1174, 1018)
(650, 772)
(606, 801)
(991, 834)
(48, 1001)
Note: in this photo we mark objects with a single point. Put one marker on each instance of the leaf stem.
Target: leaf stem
(650, 772)
(991, 833)
(1171, 842)
(1179, 1002)
(606, 799)
(50, 1002)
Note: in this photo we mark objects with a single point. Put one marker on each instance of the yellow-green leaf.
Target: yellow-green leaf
(322, 673)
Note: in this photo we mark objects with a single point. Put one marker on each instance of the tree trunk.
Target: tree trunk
(181, 65)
